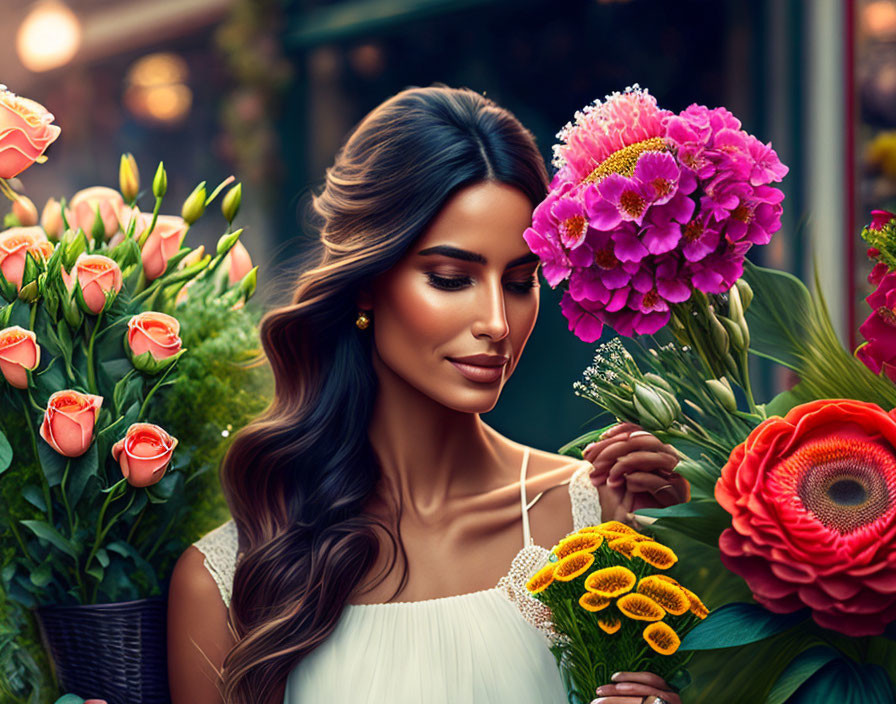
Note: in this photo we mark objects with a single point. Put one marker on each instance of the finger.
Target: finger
(642, 461)
(618, 700)
(665, 491)
(642, 677)
(608, 454)
(628, 689)
(596, 448)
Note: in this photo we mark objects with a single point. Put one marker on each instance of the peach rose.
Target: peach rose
(13, 245)
(82, 208)
(69, 421)
(25, 210)
(144, 453)
(153, 332)
(18, 351)
(162, 243)
(97, 274)
(51, 219)
(237, 262)
(25, 133)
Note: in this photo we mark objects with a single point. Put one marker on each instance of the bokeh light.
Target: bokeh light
(48, 37)
(156, 89)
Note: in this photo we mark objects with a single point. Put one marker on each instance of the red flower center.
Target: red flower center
(650, 299)
(743, 213)
(632, 203)
(887, 315)
(574, 226)
(693, 231)
(845, 483)
(605, 258)
(662, 186)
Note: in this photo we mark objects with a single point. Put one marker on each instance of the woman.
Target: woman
(404, 332)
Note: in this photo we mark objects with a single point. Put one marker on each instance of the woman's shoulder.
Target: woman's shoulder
(552, 469)
(549, 472)
(219, 549)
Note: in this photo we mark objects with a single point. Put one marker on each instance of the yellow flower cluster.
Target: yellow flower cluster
(649, 597)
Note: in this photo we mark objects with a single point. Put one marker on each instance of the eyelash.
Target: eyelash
(455, 283)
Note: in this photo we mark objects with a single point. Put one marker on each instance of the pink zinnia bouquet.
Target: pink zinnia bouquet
(647, 206)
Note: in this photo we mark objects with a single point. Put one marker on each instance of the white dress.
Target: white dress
(485, 647)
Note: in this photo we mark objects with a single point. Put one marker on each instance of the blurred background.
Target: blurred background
(268, 89)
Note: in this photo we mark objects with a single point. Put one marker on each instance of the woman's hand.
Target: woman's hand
(634, 469)
(636, 688)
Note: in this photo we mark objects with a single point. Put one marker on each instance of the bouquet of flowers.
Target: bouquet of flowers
(121, 378)
(790, 533)
(613, 608)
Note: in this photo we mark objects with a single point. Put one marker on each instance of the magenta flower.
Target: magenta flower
(647, 205)
(879, 218)
(879, 352)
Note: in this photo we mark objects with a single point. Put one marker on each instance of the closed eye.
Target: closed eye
(454, 283)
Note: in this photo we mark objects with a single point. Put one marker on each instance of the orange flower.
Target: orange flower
(144, 453)
(698, 608)
(654, 554)
(640, 607)
(578, 543)
(610, 582)
(609, 625)
(624, 546)
(69, 421)
(25, 133)
(541, 580)
(661, 638)
(18, 351)
(593, 602)
(671, 597)
(571, 567)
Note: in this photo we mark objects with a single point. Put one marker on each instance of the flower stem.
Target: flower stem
(68, 510)
(748, 389)
(43, 479)
(153, 390)
(99, 523)
(91, 372)
(33, 315)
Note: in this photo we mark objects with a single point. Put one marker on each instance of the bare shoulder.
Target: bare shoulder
(551, 515)
(198, 634)
(548, 469)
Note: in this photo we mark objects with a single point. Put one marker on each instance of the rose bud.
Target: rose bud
(82, 210)
(128, 177)
(18, 351)
(192, 257)
(25, 133)
(96, 274)
(51, 219)
(152, 341)
(13, 245)
(69, 421)
(25, 210)
(237, 262)
(144, 453)
(162, 243)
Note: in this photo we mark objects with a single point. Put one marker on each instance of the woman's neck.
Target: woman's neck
(431, 454)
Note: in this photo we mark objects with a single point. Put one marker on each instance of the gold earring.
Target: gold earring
(363, 320)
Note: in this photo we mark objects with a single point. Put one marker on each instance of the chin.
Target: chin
(472, 400)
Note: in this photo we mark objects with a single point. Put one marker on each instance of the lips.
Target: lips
(481, 368)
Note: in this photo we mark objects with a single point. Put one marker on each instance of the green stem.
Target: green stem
(68, 510)
(18, 536)
(43, 479)
(748, 389)
(91, 373)
(153, 390)
(102, 536)
(134, 525)
(33, 314)
(159, 540)
(99, 523)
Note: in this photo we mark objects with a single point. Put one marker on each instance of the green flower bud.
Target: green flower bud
(72, 314)
(128, 177)
(98, 229)
(654, 411)
(226, 242)
(230, 205)
(746, 293)
(194, 205)
(30, 292)
(720, 340)
(735, 334)
(248, 283)
(75, 247)
(657, 380)
(735, 307)
(160, 182)
(721, 389)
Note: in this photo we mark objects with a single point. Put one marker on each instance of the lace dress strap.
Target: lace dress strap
(220, 548)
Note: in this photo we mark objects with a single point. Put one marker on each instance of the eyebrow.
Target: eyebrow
(468, 256)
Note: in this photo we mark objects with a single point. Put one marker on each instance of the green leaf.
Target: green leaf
(34, 496)
(701, 520)
(52, 463)
(846, 682)
(799, 670)
(80, 471)
(42, 575)
(738, 624)
(102, 557)
(96, 571)
(46, 532)
(783, 402)
(5, 453)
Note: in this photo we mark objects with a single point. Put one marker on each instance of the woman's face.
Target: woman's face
(466, 288)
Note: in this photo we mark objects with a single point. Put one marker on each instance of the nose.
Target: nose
(491, 313)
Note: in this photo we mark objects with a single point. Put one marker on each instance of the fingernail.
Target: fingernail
(615, 676)
(638, 433)
(602, 689)
(601, 700)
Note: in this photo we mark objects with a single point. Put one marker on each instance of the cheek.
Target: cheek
(417, 314)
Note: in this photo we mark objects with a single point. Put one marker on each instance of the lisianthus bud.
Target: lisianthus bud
(721, 389)
(30, 292)
(144, 453)
(25, 211)
(160, 182)
(128, 177)
(746, 293)
(226, 241)
(230, 205)
(194, 205)
(656, 408)
(69, 421)
(152, 341)
(97, 276)
(248, 283)
(51, 219)
(192, 257)
(735, 307)
(19, 351)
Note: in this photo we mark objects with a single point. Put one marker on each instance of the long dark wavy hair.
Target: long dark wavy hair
(296, 478)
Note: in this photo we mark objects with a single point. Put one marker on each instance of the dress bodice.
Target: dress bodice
(484, 647)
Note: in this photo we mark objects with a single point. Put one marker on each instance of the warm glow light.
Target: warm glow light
(156, 88)
(48, 37)
(880, 19)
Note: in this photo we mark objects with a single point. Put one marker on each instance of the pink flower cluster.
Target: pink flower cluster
(646, 206)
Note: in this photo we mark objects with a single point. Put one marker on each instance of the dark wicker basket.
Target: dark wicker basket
(115, 652)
